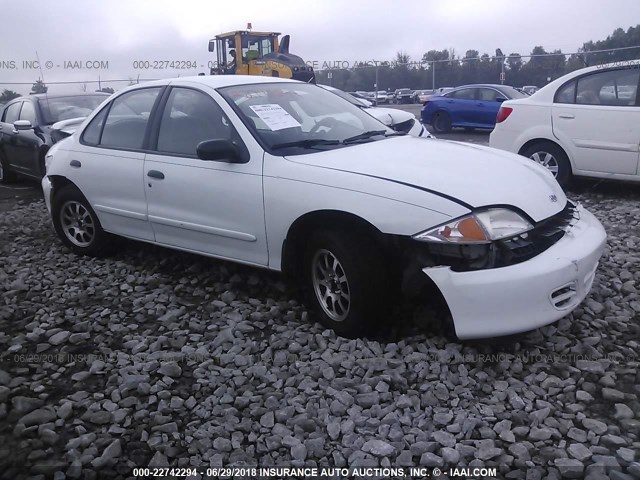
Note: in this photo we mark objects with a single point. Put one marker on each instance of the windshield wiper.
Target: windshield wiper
(395, 134)
(308, 143)
(364, 136)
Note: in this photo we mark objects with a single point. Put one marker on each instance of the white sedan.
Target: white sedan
(283, 175)
(585, 123)
(398, 120)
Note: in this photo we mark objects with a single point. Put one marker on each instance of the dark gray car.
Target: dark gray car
(25, 129)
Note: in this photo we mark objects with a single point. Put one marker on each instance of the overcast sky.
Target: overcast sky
(121, 32)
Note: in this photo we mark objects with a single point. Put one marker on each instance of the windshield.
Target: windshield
(298, 118)
(57, 109)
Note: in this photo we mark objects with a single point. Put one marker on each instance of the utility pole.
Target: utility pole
(376, 87)
(433, 76)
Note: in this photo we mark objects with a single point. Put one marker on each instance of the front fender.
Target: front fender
(291, 192)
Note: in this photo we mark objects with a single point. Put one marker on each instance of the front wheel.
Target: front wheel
(553, 158)
(77, 224)
(345, 283)
(441, 122)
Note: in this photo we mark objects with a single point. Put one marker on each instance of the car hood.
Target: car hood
(472, 175)
(389, 116)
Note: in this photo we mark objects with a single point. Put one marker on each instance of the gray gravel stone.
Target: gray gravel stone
(378, 448)
(579, 452)
(59, 338)
(38, 417)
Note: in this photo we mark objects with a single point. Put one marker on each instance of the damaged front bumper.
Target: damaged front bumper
(527, 295)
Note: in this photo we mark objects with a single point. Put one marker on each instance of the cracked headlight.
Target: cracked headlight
(483, 226)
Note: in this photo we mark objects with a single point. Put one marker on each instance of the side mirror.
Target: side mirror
(22, 125)
(221, 150)
(212, 45)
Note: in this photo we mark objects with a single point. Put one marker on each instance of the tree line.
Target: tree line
(444, 68)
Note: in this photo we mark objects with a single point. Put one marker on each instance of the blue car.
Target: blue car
(469, 106)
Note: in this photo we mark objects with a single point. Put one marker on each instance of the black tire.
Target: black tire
(6, 175)
(555, 158)
(362, 268)
(441, 122)
(73, 218)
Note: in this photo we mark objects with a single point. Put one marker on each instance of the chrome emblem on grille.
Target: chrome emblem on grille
(553, 198)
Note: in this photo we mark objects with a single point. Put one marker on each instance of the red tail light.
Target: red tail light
(503, 114)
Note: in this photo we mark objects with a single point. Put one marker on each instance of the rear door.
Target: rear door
(597, 118)
(487, 106)
(107, 163)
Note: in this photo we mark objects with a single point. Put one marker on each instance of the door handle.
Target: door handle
(75, 163)
(567, 116)
(155, 174)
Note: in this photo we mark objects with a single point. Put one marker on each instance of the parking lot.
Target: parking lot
(156, 357)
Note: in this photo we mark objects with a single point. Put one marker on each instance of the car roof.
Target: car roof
(217, 81)
(66, 95)
(476, 85)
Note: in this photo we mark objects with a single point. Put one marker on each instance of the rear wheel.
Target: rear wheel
(442, 122)
(6, 175)
(553, 158)
(345, 279)
(77, 224)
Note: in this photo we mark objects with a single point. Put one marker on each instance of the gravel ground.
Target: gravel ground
(153, 357)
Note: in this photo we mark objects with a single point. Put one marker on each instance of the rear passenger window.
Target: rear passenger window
(127, 120)
(566, 93)
(464, 94)
(488, 94)
(191, 117)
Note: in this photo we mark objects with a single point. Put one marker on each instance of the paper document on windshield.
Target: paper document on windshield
(275, 117)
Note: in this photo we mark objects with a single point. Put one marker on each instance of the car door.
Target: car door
(28, 142)
(107, 164)
(8, 136)
(460, 105)
(596, 117)
(487, 106)
(211, 207)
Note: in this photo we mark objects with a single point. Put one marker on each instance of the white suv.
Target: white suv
(287, 176)
(585, 123)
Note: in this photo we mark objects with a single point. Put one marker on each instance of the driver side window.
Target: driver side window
(191, 117)
(28, 112)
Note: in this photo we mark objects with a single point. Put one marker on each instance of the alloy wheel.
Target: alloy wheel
(77, 223)
(330, 285)
(546, 160)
